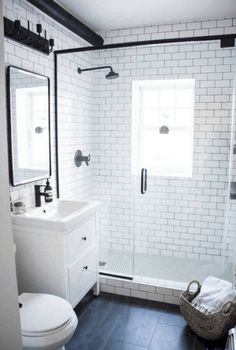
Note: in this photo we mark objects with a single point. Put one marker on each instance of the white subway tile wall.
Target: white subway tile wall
(180, 217)
(161, 293)
(23, 57)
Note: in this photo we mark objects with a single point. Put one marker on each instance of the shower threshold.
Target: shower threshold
(160, 271)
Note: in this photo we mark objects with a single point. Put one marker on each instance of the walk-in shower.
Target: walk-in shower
(170, 112)
(110, 75)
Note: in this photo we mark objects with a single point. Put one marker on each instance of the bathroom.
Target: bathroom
(158, 192)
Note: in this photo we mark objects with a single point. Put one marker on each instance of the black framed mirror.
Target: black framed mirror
(28, 104)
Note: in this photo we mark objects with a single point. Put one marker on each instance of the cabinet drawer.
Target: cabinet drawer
(80, 239)
(82, 274)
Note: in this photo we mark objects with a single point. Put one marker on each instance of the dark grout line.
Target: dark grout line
(158, 321)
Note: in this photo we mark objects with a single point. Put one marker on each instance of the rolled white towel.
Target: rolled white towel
(214, 294)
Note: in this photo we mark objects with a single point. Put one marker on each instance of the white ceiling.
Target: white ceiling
(103, 15)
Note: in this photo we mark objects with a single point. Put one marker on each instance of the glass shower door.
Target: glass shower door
(181, 135)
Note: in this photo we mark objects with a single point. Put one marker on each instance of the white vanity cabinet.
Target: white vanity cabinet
(61, 260)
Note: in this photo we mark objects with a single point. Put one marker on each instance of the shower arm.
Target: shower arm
(94, 68)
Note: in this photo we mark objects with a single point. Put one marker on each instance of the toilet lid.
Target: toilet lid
(43, 312)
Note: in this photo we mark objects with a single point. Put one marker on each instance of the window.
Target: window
(163, 119)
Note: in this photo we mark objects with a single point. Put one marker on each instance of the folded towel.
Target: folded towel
(214, 294)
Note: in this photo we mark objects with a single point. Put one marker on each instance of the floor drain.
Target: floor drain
(102, 263)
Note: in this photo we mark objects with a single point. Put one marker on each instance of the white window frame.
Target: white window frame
(138, 125)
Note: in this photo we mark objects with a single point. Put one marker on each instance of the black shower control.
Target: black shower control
(79, 158)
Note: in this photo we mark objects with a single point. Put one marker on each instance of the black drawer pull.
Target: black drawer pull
(84, 238)
(85, 267)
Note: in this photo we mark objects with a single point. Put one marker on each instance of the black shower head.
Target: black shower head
(110, 75)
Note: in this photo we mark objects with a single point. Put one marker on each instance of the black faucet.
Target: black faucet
(38, 195)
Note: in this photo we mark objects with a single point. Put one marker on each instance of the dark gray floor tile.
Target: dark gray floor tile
(84, 304)
(138, 302)
(171, 308)
(136, 326)
(92, 344)
(168, 337)
(120, 345)
(109, 299)
(172, 319)
(96, 324)
(110, 322)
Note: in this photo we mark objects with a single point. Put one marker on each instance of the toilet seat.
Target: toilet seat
(47, 333)
(48, 322)
(51, 340)
(43, 313)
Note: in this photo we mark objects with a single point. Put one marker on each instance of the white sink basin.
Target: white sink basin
(59, 215)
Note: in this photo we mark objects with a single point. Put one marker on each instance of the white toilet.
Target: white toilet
(47, 321)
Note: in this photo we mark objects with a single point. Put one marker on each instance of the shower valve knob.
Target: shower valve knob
(84, 238)
(87, 159)
(85, 267)
(79, 158)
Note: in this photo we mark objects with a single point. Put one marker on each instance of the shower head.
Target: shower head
(110, 75)
(164, 130)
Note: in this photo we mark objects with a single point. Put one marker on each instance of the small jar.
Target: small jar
(18, 207)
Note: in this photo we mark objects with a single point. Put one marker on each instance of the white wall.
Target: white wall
(27, 58)
(77, 120)
(181, 217)
(10, 334)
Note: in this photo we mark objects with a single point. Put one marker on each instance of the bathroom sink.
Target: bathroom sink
(59, 215)
(57, 211)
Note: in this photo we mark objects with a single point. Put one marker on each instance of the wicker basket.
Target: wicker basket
(210, 327)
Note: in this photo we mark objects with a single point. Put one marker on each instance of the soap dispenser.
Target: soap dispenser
(49, 192)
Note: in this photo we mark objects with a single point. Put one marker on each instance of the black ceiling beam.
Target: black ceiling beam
(59, 14)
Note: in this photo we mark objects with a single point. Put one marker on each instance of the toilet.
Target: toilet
(47, 321)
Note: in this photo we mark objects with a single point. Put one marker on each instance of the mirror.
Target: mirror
(29, 126)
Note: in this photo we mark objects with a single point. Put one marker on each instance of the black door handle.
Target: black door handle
(143, 180)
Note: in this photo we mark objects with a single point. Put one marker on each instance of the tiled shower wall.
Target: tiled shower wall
(77, 126)
(23, 57)
(181, 217)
